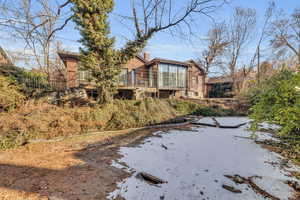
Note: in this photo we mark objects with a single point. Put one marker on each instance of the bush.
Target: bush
(278, 102)
(10, 95)
(185, 107)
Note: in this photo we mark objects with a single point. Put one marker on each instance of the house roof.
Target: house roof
(141, 58)
(68, 54)
(197, 65)
(219, 79)
(166, 61)
(240, 75)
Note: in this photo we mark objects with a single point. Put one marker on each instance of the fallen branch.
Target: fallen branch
(257, 189)
(185, 129)
(231, 189)
(150, 178)
(203, 124)
(294, 184)
(237, 126)
(220, 126)
(242, 180)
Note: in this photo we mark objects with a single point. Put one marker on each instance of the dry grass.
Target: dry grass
(39, 120)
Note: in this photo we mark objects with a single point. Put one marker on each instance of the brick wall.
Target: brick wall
(71, 72)
(133, 64)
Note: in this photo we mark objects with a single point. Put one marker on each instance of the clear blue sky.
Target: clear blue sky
(162, 44)
(166, 46)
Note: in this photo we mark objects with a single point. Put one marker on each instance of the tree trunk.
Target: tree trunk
(258, 65)
(104, 95)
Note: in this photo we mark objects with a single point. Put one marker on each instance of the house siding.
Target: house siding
(196, 82)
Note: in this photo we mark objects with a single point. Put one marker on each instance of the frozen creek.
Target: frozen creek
(195, 162)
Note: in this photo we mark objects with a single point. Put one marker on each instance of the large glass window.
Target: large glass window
(172, 76)
(123, 77)
(181, 74)
(163, 75)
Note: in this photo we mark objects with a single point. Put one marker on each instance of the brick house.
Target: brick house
(142, 77)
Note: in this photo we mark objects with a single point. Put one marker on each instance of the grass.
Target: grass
(40, 120)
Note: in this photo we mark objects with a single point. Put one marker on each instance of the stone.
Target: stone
(74, 96)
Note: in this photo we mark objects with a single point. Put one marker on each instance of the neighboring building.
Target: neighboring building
(219, 87)
(222, 86)
(4, 59)
(144, 77)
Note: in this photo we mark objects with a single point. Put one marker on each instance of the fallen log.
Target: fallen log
(150, 178)
(242, 180)
(203, 124)
(237, 126)
(221, 126)
(231, 189)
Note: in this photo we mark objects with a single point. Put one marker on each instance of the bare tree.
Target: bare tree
(239, 32)
(152, 16)
(262, 37)
(216, 43)
(285, 32)
(35, 23)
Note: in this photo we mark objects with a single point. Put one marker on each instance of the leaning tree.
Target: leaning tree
(285, 33)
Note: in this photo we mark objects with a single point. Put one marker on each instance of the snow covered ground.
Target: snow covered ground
(194, 164)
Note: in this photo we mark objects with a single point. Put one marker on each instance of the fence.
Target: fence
(41, 83)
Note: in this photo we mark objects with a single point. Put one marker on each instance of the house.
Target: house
(143, 76)
(219, 87)
(4, 59)
(223, 86)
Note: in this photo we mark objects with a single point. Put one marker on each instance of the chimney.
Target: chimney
(146, 56)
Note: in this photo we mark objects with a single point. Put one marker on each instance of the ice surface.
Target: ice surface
(195, 164)
(207, 120)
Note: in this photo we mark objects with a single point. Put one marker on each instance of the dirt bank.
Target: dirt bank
(77, 168)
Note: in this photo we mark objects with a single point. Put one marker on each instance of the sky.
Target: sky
(177, 47)
(163, 44)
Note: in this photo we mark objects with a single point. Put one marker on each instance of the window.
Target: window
(84, 76)
(163, 75)
(123, 77)
(151, 79)
(172, 76)
(182, 72)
